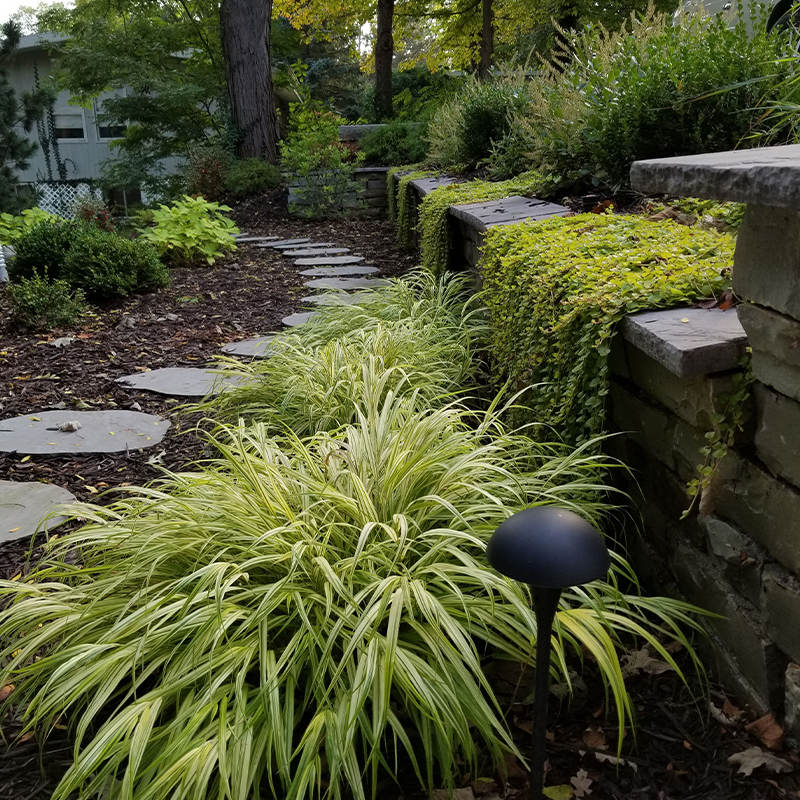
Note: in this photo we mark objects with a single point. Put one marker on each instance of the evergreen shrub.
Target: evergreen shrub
(42, 246)
(252, 176)
(557, 288)
(395, 144)
(42, 304)
(107, 266)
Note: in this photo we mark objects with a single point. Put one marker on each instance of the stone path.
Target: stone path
(98, 432)
(179, 381)
(25, 504)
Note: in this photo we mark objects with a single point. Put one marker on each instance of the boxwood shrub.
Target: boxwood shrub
(557, 288)
(41, 247)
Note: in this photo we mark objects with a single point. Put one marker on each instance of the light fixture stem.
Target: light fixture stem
(545, 604)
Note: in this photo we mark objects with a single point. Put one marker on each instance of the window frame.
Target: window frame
(73, 111)
(96, 108)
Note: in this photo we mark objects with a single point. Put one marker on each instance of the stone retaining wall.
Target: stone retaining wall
(738, 554)
(366, 197)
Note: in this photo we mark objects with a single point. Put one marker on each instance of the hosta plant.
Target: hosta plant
(303, 616)
(12, 226)
(190, 232)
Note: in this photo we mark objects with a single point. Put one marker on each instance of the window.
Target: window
(105, 129)
(69, 124)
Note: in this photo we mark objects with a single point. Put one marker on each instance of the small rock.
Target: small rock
(174, 318)
(67, 427)
(62, 342)
(134, 406)
(126, 322)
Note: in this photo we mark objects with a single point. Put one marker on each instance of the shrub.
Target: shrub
(93, 210)
(107, 266)
(39, 303)
(251, 177)
(206, 172)
(13, 226)
(190, 231)
(394, 145)
(652, 89)
(557, 288)
(42, 246)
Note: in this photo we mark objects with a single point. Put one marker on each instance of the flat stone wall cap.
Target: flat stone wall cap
(100, 432)
(25, 504)
(507, 211)
(424, 186)
(179, 381)
(765, 176)
(352, 133)
(688, 341)
(376, 170)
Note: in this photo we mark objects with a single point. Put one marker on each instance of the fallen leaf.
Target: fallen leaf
(457, 794)
(720, 716)
(90, 489)
(595, 739)
(767, 730)
(6, 691)
(582, 782)
(730, 710)
(640, 661)
(27, 458)
(562, 792)
(14, 530)
(755, 757)
(617, 762)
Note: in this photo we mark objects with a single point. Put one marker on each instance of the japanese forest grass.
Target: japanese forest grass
(305, 613)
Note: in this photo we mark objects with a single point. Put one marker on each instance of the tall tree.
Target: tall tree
(245, 33)
(384, 55)
(16, 111)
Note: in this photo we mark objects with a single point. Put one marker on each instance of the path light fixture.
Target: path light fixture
(549, 548)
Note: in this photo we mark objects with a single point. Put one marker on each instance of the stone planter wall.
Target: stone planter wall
(366, 197)
(738, 555)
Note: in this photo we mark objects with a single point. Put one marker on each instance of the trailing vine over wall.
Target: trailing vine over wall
(435, 207)
(557, 288)
(400, 202)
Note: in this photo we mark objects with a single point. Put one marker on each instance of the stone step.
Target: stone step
(315, 251)
(347, 283)
(338, 272)
(328, 261)
(23, 506)
(179, 381)
(300, 318)
(113, 431)
(284, 243)
(336, 298)
(240, 239)
(259, 347)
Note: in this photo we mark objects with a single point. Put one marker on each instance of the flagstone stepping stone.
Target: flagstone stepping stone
(259, 347)
(23, 506)
(315, 251)
(285, 242)
(336, 298)
(317, 247)
(179, 381)
(113, 431)
(256, 238)
(328, 261)
(338, 272)
(347, 283)
(293, 320)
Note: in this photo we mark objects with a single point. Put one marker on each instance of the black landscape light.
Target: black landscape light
(549, 548)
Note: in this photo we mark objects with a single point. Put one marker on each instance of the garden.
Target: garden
(287, 424)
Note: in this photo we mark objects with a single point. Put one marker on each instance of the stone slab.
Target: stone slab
(178, 381)
(338, 272)
(767, 259)
(777, 436)
(315, 251)
(336, 298)
(316, 247)
(23, 505)
(782, 607)
(241, 239)
(300, 318)
(328, 261)
(286, 242)
(258, 347)
(347, 283)
(775, 341)
(508, 211)
(424, 186)
(767, 176)
(100, 432)
(710, 341)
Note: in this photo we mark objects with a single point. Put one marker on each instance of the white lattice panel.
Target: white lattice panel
(61, 198)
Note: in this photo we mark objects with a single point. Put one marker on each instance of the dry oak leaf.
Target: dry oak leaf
(594, 738)
(582, 782)
(767, 730)
(6, 691)
(755, 757)
(640, 661)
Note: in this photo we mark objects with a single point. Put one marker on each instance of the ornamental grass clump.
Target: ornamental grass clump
(303, 616)
(423, 332)
(557, 288)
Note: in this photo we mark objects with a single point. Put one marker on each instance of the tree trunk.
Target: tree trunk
(384, 53)
(487, 39)
(245, 31)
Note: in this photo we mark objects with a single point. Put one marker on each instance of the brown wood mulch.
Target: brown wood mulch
(678, 751)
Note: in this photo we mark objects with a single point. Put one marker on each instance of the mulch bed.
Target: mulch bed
(678, 752)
